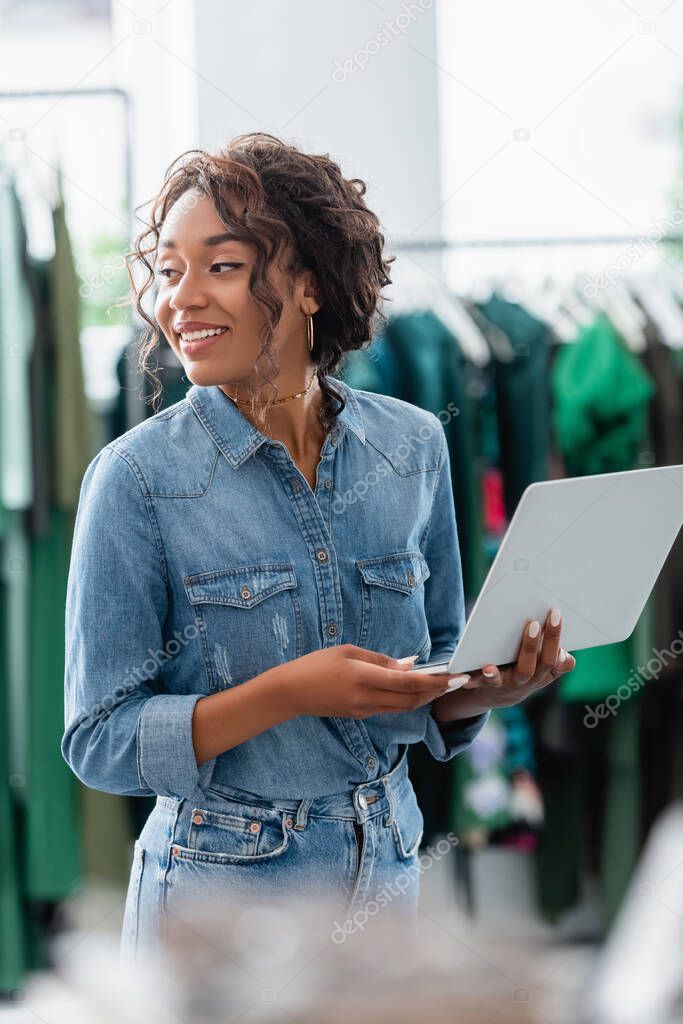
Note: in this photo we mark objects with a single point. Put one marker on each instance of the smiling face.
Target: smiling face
(203, 279)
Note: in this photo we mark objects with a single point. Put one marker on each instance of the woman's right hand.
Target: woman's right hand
(351, 682)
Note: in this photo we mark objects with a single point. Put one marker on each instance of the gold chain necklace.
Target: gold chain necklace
(278, 401)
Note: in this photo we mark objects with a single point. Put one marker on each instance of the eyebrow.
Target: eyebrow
(168, 243)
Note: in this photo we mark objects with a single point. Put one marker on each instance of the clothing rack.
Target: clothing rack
(134, 411)
(436, 244)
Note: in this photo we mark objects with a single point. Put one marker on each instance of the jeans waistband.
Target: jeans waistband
(365, 800)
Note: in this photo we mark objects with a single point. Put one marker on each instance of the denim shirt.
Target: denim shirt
(201, 557)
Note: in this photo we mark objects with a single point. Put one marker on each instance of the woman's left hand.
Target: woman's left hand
(540, 661)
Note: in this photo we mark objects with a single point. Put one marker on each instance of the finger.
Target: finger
(377, 658)
(400, 681)
(525, 666)
(408, 699)
(565, 663)
(404, 701)
(488, 676)
(550, 648)
(369, 657)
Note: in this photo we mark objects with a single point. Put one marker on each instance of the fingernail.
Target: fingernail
(555, 617)
(404, 661)
(488, 672)
(534, 628)
(457, 681)
(563, 655)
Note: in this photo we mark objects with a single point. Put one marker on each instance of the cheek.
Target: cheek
(161, 309)
(164, 318)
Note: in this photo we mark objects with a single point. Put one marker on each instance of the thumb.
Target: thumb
(377, 658)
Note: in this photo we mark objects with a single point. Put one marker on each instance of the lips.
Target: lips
(197, 343)
(186, 326)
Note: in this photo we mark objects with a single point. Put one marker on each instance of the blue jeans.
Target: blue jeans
(357, 850)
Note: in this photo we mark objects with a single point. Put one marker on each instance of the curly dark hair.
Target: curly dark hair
(294, 198)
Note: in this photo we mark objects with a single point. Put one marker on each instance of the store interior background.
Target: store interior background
(478, 127)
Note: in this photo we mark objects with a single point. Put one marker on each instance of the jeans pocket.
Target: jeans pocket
(129, 932)
(408, 824)
(236, 833)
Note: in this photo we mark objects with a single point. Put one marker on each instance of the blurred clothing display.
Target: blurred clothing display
(47, 432)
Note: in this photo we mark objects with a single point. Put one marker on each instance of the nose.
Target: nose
(187, 294)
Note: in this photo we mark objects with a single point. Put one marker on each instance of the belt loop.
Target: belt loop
(390, 797)
(302, 814)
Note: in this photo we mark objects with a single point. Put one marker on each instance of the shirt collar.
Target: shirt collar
(237, 438)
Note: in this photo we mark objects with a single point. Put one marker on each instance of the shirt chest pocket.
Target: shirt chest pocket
(248, 617)
(393, 617)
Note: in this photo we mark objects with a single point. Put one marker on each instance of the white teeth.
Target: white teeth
(196, 335)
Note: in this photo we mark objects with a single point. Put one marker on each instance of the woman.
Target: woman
(255, 568)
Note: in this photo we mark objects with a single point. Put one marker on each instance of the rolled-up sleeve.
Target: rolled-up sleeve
(122, 733)
(445, 605)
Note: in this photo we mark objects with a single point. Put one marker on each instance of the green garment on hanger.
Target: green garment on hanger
(53, 818)
(13, 937)
(73, 418)
(53, 809)
(522, 397)
(592, 795)
(601, 395)
(18, 950)
(373, 368)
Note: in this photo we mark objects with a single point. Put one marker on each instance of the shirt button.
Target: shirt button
(332, 629)
(411, 579)
(327, 484)
(245, 592)
(289, 822)
(197, 819)
(255, 826)
(371, 762)
(363, 801)
(321, 555)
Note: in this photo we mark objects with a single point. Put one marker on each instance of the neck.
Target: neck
(296, 422)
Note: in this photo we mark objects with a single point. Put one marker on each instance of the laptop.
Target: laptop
(592, 546)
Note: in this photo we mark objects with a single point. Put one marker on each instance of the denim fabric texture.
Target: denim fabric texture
(201, 557)
(353, 853)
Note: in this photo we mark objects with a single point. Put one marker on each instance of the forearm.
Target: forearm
(233, 716)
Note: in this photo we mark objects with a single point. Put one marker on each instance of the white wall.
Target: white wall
(598, 89)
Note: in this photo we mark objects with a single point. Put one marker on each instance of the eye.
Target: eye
(167, 271)
(226, 264)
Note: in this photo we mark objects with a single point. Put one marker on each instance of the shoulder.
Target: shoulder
(169, 453)
(409, 436)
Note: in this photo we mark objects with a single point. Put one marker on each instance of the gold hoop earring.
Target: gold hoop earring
(309, 331)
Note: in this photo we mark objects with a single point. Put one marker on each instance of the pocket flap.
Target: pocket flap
(241, 587)
(404, 570)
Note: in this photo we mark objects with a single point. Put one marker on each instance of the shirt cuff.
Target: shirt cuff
(167, 763)
(446, 739)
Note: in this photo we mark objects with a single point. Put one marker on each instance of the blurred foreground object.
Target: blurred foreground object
(640, 974)
(287, 960)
